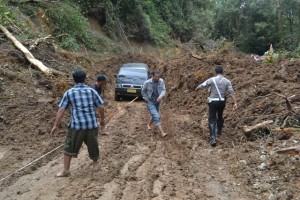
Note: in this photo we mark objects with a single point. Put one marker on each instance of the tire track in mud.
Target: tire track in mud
(137, 163)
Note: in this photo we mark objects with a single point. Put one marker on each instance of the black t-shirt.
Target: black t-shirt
(155, 94)
(98, 89)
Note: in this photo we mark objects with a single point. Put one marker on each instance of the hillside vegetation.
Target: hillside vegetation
(250, 26)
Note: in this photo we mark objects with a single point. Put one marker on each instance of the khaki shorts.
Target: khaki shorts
(75, 138)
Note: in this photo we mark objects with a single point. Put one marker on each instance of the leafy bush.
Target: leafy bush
(291, 54)
(69, 24)
(70, 43)
(5, 15)
(157, 27)
(12, 19)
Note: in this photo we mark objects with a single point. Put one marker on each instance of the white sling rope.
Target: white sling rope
(217, 89)
(57, 147)
(31, 163)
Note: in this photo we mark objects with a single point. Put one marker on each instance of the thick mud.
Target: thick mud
(137, 163)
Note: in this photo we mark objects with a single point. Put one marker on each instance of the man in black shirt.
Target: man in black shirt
(100, 83)
(99, 86)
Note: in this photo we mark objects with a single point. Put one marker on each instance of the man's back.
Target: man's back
(83, 101)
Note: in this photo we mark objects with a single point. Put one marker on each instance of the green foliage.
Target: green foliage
(88, 5)
(69, 24)
(152, 20)
(5, 15)
(291, 54)
(12, 19)
(158, 28)
(70, 43)
(186, 17)
(251, 25)
(254, 25)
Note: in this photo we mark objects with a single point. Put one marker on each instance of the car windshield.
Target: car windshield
(136, 72)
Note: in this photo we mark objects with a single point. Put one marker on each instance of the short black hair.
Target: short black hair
(79, 76)
(101, 77)
(219, 69)
(155, 72)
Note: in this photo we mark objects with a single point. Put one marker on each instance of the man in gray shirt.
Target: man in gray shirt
(153, 91)
(219, 85)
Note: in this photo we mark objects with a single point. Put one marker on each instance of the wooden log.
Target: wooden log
(27, 54)
(196, 56)
(294, 150)
(38, 64)
(248, 129)
(288, 130)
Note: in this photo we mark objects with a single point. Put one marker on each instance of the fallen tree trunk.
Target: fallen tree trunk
(294, 150)
(288, 130)
(248, 129)
(38, 64)
(196, 56)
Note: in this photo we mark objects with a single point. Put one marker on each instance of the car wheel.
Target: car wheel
(117, 97)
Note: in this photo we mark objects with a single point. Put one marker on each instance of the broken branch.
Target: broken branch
(248, 129)
(288, 130)
(196, 56)
(294, 150)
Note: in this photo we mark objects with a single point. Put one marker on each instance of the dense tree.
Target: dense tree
(254, 25)
(251, 24)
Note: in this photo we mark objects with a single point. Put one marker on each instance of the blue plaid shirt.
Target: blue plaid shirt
(83, 100)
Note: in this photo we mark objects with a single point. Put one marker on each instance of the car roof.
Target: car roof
(135, 65)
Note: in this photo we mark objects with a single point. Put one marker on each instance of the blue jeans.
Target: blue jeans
(153, 108)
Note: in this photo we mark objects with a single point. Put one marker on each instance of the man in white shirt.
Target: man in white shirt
(219, 85)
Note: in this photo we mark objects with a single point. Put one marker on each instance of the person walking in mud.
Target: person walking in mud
(99, 86)
(219, 85)
(153, 91)
(83, 126)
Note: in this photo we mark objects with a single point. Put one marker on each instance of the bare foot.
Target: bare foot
(164, 134)
(63, 174)
(95, 166)
(103, 131)
(149, 127)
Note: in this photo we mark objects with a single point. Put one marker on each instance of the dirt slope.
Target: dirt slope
(137, 163)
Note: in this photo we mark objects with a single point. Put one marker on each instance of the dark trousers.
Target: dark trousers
(215, 119)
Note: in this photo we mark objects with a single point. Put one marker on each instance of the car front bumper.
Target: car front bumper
(130, 92)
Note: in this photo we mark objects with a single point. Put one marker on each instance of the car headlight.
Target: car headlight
(118, 85)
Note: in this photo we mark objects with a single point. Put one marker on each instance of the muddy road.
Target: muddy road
(137, 163)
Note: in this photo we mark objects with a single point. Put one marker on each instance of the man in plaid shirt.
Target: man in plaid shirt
(83, 126)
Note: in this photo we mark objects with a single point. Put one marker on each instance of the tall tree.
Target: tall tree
(280, 23)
